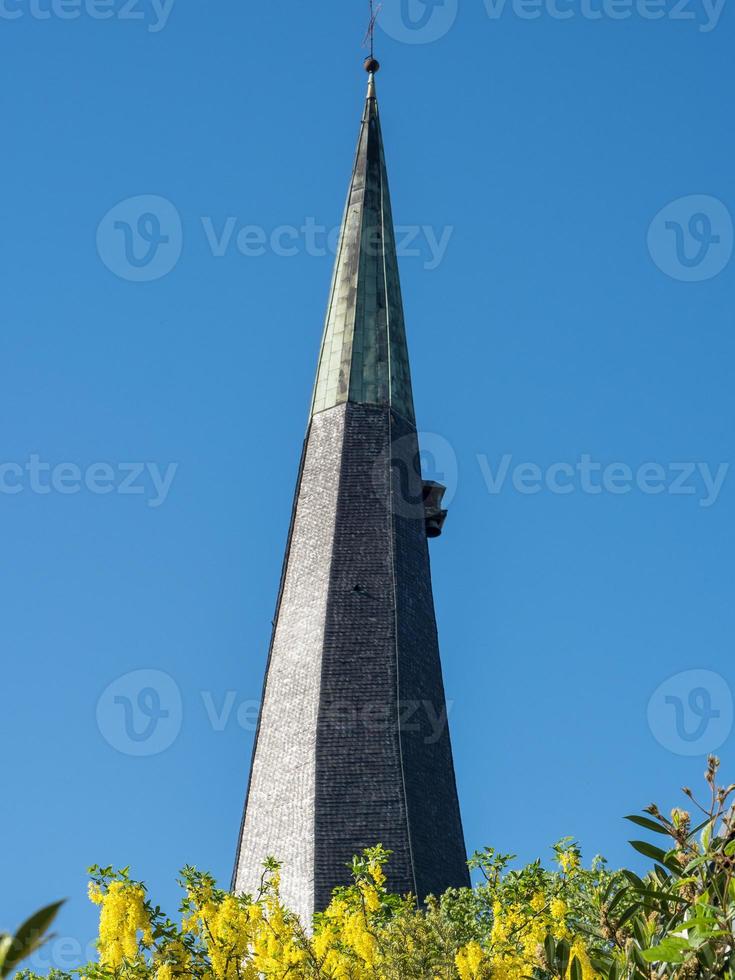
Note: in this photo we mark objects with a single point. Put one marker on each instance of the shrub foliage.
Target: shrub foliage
(570, 923)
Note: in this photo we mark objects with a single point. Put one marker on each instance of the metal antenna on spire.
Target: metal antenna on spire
(370, 33)
(371, 64)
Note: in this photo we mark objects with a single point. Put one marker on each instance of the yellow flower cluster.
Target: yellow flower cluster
(276, 947)
(227, 929)
(173, 961)
(345, 942)
(122, 916)
(578, 950)
(569, 861)
(516, 947)
(472, 962)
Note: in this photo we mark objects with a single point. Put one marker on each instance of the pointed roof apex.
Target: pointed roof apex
(364, 358)
(372, 67)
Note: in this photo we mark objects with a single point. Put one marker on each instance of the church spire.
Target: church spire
(364, 358)
(353, 746)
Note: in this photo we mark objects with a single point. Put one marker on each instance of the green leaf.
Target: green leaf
(29, 937)
(657, 854)
(649, 850)
(608, 891)
(629, 912)
(696, 862)
(617, 899)
(661, 895)
(695, 830)
(639, 931)
(562, 956)
(670, 950)
(640, 964)
(5, 943)
(633, 878)
(706, 956)
(648, 824)
(550, 949)
(576, 969)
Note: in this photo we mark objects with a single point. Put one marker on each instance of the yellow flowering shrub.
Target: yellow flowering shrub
(497, 930)
(569, 922)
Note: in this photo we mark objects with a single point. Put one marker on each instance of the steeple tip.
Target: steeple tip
(364, 356)
(371, 67)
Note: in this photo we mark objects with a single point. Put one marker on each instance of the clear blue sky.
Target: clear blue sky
(547, 332)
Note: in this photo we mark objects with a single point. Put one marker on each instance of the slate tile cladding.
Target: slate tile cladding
(435, 823)
(384, 774)
(360, 799)
(279, 813)
(354, 644)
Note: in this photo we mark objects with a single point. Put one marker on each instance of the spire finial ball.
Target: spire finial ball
(372, 65)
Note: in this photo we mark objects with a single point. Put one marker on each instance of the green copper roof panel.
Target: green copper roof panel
(364, 357)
